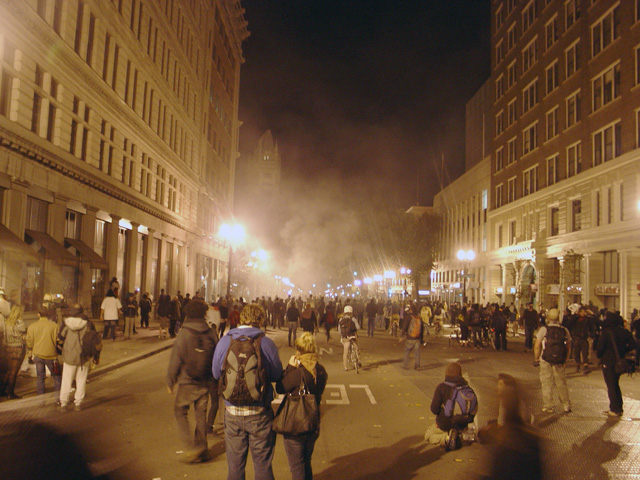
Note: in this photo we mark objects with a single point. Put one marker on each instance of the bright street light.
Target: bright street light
(234, 236)
(389, 274)
(469, 255)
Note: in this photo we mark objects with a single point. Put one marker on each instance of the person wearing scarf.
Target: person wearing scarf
(304, 364)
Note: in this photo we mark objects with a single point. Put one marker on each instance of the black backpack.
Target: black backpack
(555, 347)
(476, 319)
(200, 348)
(91, 345)
(244, 376)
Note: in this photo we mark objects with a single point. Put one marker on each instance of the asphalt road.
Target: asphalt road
(372, 422)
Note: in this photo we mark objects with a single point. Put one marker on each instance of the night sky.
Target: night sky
(370, 94)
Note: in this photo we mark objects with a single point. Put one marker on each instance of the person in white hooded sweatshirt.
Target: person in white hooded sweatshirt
(74, 366)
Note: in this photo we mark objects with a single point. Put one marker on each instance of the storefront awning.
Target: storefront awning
(87, 253)
(55, 251)
(10, 242)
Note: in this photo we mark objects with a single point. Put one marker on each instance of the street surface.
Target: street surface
(372, 422)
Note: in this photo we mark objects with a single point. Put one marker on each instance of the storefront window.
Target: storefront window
(70, 285)
(97, 290)
(32, 287)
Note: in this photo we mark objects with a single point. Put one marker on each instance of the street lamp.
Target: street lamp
(234, 236)
(467, 257)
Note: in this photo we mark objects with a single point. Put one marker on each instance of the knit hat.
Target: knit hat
(454, 369)
(553, 315)
(196, 308)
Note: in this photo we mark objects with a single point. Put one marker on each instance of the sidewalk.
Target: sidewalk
(115, 354)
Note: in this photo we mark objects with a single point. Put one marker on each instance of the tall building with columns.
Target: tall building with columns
(563, 220)
(118, 143)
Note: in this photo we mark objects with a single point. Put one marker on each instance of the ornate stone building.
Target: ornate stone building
(118, 144)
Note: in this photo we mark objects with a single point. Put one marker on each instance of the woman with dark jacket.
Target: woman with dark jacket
(613, 333)
(308, 321)
(304, 364)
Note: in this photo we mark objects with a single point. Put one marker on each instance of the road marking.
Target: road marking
(342, 393)
(367, 391)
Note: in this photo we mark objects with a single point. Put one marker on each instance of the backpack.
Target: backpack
(244, 376)
(347, 327)
(438, 311)
(476, 319)
(415, 325)
(463, 401)
(91, 345)
(200, 348)
(555, 347)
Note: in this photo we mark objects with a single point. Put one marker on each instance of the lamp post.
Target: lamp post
(233, 235)
(467, 257)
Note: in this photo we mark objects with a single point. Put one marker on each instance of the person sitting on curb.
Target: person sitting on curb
(455, 405)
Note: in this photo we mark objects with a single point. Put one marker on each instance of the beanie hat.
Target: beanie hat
(196, 308)
(454, 369)
(553, 315)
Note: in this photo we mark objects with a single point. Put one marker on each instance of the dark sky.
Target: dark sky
(370, 93)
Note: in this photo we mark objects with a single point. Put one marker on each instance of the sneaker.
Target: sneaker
(62, 408)
(609, 413)
(547, 410)
(567, 410)
(77, 408)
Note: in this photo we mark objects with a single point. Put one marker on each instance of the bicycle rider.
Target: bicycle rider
(348, 333)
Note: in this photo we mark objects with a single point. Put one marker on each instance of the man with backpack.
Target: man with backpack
(551, 350)
(412, 331)
(246, 363)
(455, 405)
(190, 369)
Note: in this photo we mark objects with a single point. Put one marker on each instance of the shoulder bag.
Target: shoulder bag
(298, 413)
(623, 364)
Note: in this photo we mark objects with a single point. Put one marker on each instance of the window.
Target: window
(499, 51)
(609, 192)
(572, 59)
(529, 55)
(511, 113)
(637, 128)
(511, 37)
(498, 197)
(552, 77)
(598, 212)
(605, 30)
(529, 15)
(530, 181)
(499, 87)
(511, 190)
(72, 224)
(553, 164)
(530, 96)
(611, 267)
(606, 144)
(499, 17)
(576, 215)
(511, 74)
(499, 159)
(511, 151)
(500, 122)
(574, 159)
(606, 87)
(37, 211)
(552, 123)
(571, 12)
(554, 221)
(530, 138)
(512, 232)
(499, 235)
(551, 32)
(573, 109)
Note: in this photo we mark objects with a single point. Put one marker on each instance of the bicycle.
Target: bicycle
(353, 354)
(455, 336)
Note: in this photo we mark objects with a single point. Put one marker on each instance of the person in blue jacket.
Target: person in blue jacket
(249, 426)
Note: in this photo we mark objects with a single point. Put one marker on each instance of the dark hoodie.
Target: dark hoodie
(613, 331)
(441, 395)
(176, 372)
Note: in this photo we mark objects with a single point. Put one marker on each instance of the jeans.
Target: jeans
(252, 432)
(612, 380)
(41, 374)
(371, 324)
(412, 344)
(214, 402)
(500, 340)
(69, 372)
(528, 337)
(345, 353)
(580, 350)
(550, 375)
(293, 328)
(109, 324)
(198, 395)
(299, 451)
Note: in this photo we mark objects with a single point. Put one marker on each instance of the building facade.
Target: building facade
(118, 143)
(564, 212)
